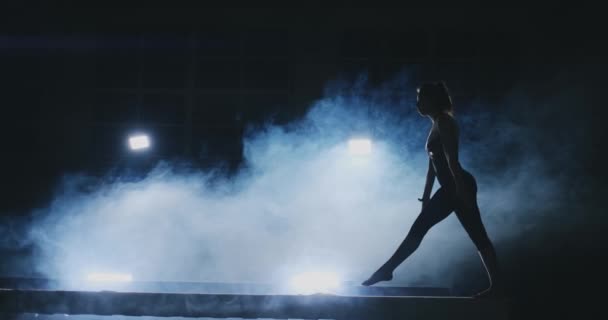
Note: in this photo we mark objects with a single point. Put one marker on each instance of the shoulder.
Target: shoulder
(446, 124)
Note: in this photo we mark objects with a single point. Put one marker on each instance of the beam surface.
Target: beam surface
(345, 289)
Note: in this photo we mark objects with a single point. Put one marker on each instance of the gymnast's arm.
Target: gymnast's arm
(428, 186)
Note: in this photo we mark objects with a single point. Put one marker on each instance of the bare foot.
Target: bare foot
(378, 276)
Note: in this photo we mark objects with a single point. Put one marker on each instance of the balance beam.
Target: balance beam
(344, 289)
(107, 303)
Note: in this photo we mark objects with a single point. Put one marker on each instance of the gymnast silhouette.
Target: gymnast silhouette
(458, 191)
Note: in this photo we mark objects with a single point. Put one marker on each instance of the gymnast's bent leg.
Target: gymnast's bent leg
(471, 221)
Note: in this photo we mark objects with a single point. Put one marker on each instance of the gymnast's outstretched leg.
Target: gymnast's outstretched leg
(439, 207)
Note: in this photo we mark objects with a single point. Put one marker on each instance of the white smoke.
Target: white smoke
(303, 202)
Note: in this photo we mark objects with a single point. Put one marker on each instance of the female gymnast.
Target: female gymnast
(458, 191)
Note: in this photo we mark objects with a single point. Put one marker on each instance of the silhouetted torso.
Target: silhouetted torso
(434, 148)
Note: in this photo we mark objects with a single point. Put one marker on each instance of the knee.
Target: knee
(417, 233)
(482, 242)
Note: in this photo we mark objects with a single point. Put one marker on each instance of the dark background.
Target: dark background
(75, 81)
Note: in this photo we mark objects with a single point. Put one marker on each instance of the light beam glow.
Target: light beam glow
(314, 282)
(139, 142)
(360, 146)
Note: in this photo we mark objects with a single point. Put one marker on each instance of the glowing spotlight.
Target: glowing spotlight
(360, 146)
(314, 282)
(109, 277)
(139, 142)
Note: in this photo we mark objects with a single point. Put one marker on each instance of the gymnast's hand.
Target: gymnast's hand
(424, 201)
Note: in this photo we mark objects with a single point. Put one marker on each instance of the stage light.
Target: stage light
(314, 282)
(360, 146)
(139, 142)
(109, 277)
